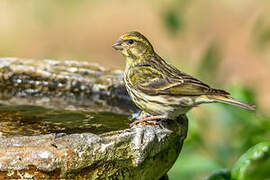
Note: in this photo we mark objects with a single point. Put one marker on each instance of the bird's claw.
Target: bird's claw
(138, 122)
(152, 122)
(136, 115)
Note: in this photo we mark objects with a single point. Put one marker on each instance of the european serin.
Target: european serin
(160, 89)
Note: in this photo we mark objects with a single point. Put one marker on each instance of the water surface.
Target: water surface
(30, 120)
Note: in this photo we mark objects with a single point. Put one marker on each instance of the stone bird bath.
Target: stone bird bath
(69, 119)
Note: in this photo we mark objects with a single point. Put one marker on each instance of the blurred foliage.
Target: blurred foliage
(173, 21)
(223, 174)
(173, 17)
(219, 135)
(262, 33)
(234, 131)
(254, 164)
(209, 63)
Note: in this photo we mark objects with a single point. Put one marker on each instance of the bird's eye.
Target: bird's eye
(130, 41)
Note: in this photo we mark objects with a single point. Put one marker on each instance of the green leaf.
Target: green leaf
(254, 164)
(223, 174)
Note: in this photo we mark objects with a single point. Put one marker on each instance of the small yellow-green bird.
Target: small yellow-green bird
(160, 89)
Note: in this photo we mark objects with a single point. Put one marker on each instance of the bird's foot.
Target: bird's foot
(136, 115)
(150, 120)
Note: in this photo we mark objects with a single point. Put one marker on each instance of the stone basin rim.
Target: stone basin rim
(34, 146)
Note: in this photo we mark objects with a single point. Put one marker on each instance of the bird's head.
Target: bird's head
(133, 45)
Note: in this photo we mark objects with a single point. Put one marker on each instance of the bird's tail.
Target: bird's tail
(230, 100)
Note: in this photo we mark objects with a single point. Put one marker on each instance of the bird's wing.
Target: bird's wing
(167, 80)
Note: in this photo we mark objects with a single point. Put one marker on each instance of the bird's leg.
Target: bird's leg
(150, 119)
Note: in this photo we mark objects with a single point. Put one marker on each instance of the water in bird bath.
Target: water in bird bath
(27, 120)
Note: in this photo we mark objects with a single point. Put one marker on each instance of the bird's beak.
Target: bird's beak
(117, 45)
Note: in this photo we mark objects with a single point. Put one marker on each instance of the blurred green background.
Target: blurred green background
(225, 43)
